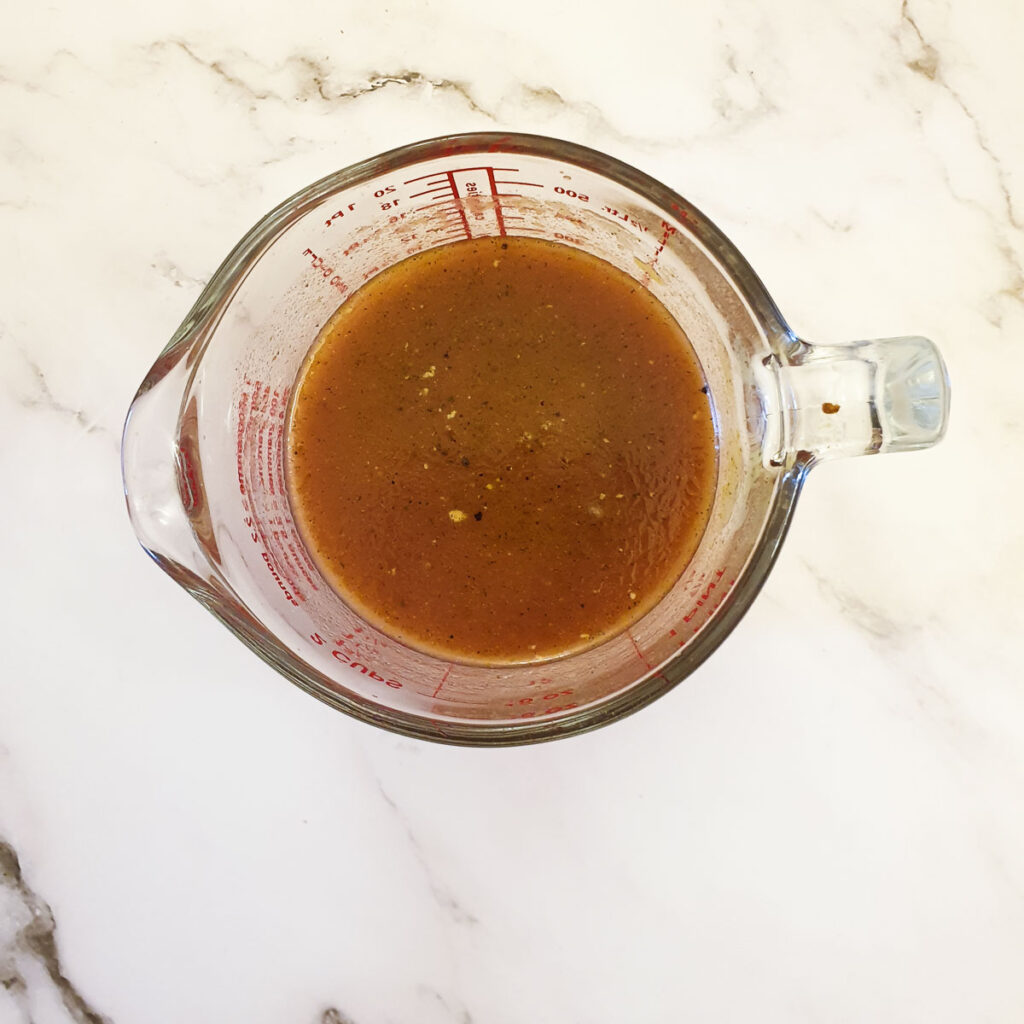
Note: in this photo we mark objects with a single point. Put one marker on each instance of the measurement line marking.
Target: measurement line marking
(640, 655)
(497, 202)
(444, 678)
(423, 177)
(429, 191)
(462, 212)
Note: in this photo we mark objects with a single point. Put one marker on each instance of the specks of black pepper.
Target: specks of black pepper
(504, 245)
(478, 516)
(704, 390)
(464, 461)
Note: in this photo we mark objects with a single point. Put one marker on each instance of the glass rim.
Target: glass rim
(196, 329)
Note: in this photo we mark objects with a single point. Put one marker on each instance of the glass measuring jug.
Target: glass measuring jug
(204, 443)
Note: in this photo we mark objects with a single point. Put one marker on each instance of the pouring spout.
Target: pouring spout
(159, 477)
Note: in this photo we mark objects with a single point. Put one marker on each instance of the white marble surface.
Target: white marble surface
(823, 824)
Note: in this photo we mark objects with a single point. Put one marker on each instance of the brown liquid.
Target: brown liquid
(501, 450)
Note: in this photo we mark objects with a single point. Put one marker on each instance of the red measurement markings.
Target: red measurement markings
(667, 231)
(444, 679)
(554, 694)
(523, 229)
(352, 652)
(340, 213)
(500, 213)
(289, 548)
(681, 213)
(542, 700)
(447, 214)
(460, 209)
(261, 441)
(249, 407)
(703, 606)
(571, 193)
(503, 215)
(451, 189)
(497, 202)
(260, 467)
(449, 175)
(442, 184)
(625, 218)
(274, 446)
(702, 600)
(643, 659)
(495, 182)
(453, 219)
(243, 400)
(317, 263)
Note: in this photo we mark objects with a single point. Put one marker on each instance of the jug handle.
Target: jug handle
(862, 398)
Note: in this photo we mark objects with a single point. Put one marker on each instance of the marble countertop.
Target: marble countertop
(822, 824)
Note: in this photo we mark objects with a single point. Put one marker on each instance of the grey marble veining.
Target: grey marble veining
(31, 974)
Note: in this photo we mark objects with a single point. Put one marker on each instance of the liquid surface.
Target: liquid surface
(501, 450)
